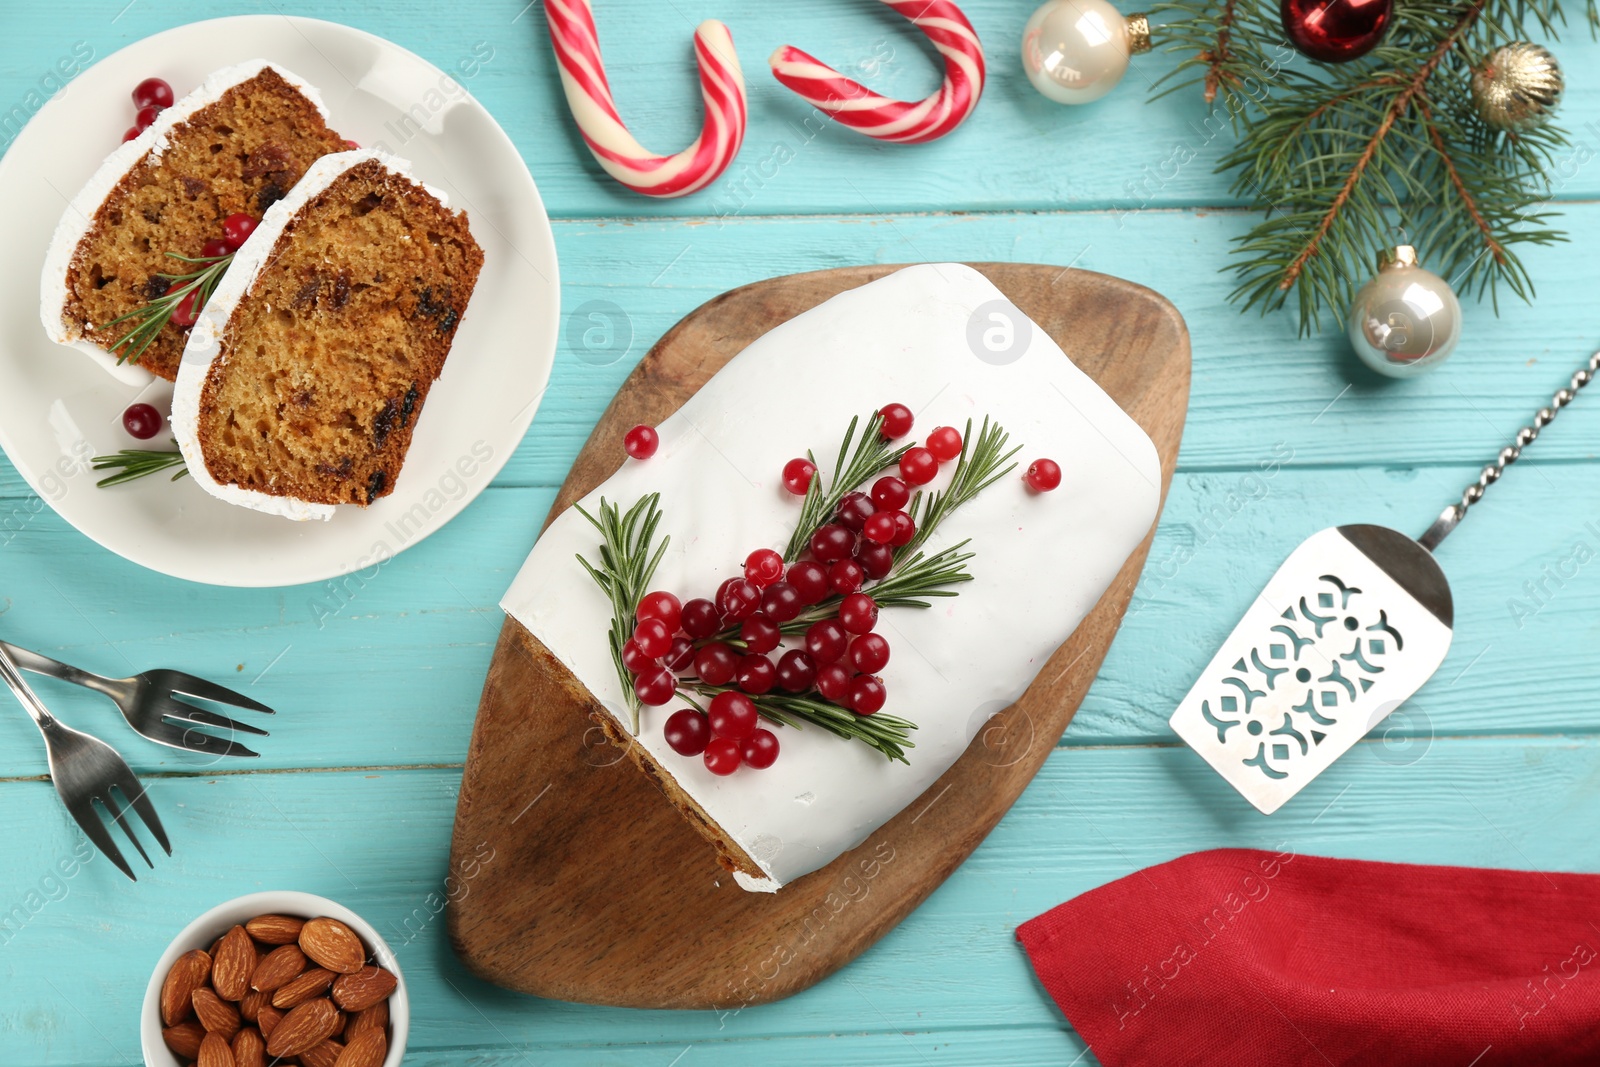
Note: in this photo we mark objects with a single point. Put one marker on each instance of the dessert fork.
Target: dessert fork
(149, 700)
(85, 769)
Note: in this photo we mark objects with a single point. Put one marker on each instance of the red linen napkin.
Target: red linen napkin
(1259, 959)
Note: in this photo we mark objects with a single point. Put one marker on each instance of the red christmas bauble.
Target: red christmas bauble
(1336, 31)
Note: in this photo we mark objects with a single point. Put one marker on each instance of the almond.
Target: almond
(268, 1018)
(275, 929)
(189, 972)
(368, 1050)
(373, 1018)
(332, 944)
(184, 1039)
(324, 1055)
(250, 1007)
(235, 960)
(215, 1014)
(306, 1027)
(214, 1052)
(312, 983)
(362, 989)
(249, 1048)
(283, 964)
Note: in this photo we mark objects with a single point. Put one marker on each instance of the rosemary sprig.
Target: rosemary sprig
(909, 586)
(147, 319)
(872, 454)
(885, 733)
(980, 466)
(626, 566)
(133, 463)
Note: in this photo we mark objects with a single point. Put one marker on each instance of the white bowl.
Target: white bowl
(216, 922)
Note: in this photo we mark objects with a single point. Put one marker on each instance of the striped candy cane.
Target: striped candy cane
(577, 46)
(861, 109)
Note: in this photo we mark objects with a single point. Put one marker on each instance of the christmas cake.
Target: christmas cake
(805, 593)
(233, 147)
(303, 380)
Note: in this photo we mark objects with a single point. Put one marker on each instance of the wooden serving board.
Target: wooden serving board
(588, 885)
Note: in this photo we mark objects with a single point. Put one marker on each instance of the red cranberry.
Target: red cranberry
(858, 613)
(880, 528)
(846, 576)
(641, 442)
(869, 653)
(215, 248)
(722, 756)
(187, 311)
(700, 618)
(680, 657)
(760, 749)
(763, 567)
(890, 493)
(141, 421)
(652, 637)
(905, 528)
(737, 599)
(810, 580)
(130, 133)
(237, 228)
(896, 421)
(918, 466)
(145, 117)
(759, 633)
(876, 560)
(833, 681)
(826, 640)
(866, 695)
(352, 145)
(781, 602)
(854, 511)
(831, 543)
(687, 732)
(660, 605)
(796, 671)
(756, 674)
(732, 715)
(945, 443)
(634, 658)
(655, 686)
(716, 663)
(152, 92)
(797, 474)
(1043, 475)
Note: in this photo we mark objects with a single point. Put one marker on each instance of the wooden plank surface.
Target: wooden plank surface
(387, 674)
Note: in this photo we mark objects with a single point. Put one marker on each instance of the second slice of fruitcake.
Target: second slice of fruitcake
(303, 380)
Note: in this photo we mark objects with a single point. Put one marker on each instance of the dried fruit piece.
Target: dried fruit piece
(312, 983)
(306, 1027)
(277, 968)
(189, 972)
(267, 1019)
(214, 1052)
(373, 1018)
(332, 944)
(249, 1048)
(362, 989)
(184, 1039)
(275, 929)
(368, 1050)
(235, 960)
(214, 1013)
(250, 1007)
(324, 1055)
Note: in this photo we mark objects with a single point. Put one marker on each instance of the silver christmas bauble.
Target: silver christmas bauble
(1517, 87)
(1075, 51)
(1405, 320)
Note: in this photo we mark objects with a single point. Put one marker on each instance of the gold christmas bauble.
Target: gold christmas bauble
(1517, 87)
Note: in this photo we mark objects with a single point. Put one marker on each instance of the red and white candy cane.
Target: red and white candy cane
(577, 46)
(858, 107)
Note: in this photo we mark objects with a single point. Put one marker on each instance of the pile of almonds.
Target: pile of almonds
(278, 990)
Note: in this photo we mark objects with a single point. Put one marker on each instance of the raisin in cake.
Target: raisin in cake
(238, 143)
(1042, 559)
(304, 378)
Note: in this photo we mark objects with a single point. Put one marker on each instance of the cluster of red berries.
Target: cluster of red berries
(151, 97)
(236, 229)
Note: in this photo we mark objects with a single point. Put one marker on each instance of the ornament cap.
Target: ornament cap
(1138, 33)
(1398, 256)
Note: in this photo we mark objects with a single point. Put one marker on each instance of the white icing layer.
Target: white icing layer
(205, 339)
(1042, 562)
(79, 216)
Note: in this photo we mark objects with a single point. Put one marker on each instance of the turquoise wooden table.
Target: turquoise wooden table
(1496, 762)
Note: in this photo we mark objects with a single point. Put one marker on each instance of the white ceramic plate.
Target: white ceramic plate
(58, 407)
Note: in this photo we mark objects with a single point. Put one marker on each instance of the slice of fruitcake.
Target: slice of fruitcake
(304, 378)
(234, 146)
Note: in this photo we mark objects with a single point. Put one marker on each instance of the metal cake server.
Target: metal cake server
(1351, 625)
